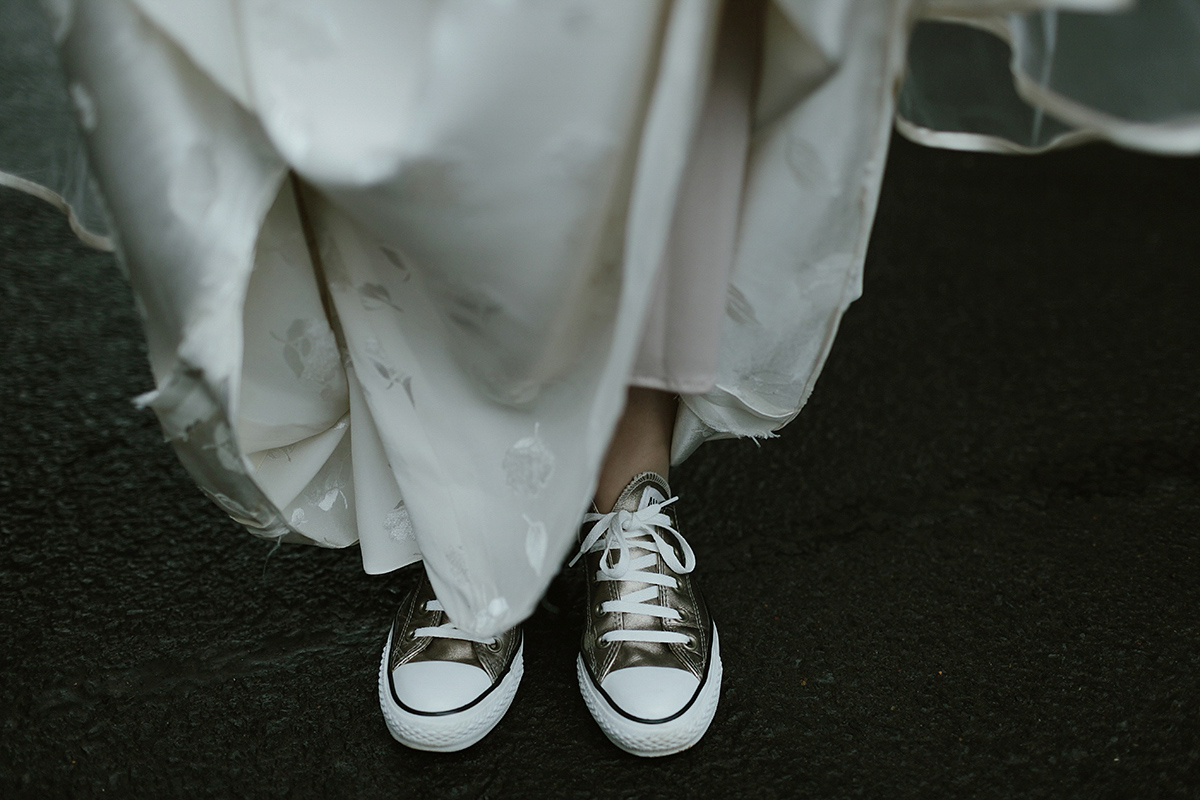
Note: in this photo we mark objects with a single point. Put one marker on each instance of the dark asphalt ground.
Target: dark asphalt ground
(970, 568)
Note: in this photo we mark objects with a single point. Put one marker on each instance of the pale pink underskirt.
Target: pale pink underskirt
(680, 343)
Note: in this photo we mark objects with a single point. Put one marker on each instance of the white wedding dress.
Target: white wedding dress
(398, 262)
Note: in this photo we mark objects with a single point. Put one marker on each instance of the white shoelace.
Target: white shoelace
(447, 630)
(622, 531)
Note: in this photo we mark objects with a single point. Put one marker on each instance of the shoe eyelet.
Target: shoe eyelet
(599, 609)
(691, 643)
(683, 617)
(412, 636)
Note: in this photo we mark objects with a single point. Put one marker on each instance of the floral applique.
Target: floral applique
(310, 350)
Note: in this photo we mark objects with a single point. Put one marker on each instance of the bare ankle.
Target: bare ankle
(641, 443)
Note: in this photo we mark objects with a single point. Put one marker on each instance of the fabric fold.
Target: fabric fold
(398, 266)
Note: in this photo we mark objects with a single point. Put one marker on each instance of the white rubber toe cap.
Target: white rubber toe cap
(650, 693)
(437, 686)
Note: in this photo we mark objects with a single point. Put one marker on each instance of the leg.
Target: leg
(650, 666)
(641, 443)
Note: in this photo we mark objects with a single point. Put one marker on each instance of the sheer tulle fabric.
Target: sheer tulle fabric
(398, 266)
(1030, 82)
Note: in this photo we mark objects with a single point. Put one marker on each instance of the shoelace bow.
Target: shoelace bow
(448, 630)
(622, 531)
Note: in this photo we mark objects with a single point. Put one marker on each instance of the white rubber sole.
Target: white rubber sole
(447, 733)
(651, 739)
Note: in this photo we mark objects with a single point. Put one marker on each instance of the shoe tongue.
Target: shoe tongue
(631, 498)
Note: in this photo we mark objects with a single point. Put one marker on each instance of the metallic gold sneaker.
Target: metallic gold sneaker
(650, 664)
(440, 688)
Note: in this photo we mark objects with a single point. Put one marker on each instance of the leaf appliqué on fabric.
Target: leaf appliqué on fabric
(528, 465)
(390, 375)
(226, 450)
(398, 525)
(396, 261)
(536, 540)
(738, 307)
(286, 451)
(375, 296)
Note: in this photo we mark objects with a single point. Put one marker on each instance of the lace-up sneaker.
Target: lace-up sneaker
(650, 664)
(440, 688)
